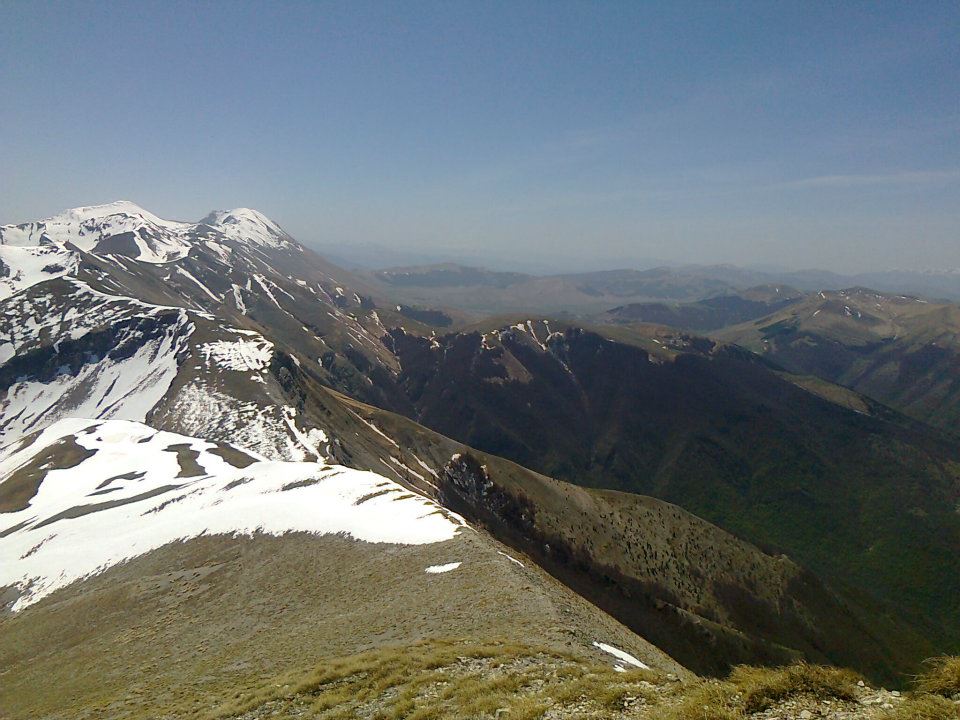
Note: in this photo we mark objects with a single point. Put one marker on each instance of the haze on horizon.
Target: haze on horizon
(562, 135)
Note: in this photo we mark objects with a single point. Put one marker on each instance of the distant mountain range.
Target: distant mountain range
(219, 447)
(903, 351)
(467, 287)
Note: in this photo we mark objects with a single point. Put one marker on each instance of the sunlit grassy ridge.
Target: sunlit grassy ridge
(447, 679)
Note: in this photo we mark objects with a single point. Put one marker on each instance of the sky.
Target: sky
(537, 134)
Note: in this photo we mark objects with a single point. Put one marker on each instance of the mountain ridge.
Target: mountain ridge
(123, 227)
(274, 350)
(900, 350)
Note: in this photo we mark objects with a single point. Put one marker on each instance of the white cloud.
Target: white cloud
(914, 177)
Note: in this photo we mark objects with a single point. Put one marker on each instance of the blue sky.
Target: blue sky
(577, 134)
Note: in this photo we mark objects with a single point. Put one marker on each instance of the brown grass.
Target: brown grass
(763, 687)
(450, 679)
(924, 707)
(703, 701)
(941, 678)
(447, 679)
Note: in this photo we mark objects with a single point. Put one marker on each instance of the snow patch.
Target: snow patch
(208, 291)
(311, 440)
(203, 411)
(238, 299)
(240, 355)
(24, 267)
(138, 515)
(510, 558)
(621, 655)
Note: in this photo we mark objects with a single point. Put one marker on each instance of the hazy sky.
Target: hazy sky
(798, 134)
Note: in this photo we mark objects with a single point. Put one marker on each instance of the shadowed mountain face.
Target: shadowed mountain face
(868, 501)
(902, 351)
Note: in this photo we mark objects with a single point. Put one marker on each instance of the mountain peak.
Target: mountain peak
(122, 208)
(111, 208)
(245, 212)
(248, 225)
(123, 227)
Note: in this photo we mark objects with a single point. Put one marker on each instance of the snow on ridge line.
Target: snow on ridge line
(150, 502)
(24, 267)
(117, 207)
(155, 240)
(124, 388)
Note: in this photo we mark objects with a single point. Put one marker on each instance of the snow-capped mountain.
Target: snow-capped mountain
(124, 228)
(112, 312)
(175, 456)
(250, 226)
(121, 228)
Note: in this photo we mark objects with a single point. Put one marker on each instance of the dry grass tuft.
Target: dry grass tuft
(924, 707)
(445, 679)
(763, 687)
(704, 701)
(942, 677)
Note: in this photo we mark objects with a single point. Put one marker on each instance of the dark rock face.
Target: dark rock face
(471, 483)
(120, 244)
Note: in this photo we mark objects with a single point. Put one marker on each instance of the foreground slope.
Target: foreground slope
(189, 570)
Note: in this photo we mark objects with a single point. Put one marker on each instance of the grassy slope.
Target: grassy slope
(709, 599)
(449, 679)
(866, 502)
(193, 626)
